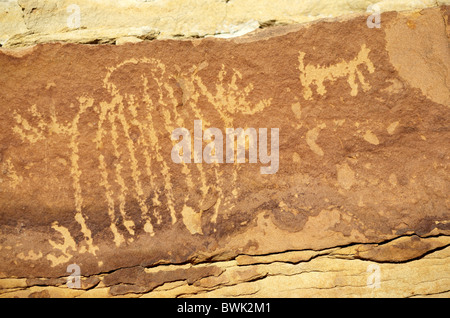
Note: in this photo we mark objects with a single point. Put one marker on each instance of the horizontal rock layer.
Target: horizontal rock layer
(358, 206)
(27, 22)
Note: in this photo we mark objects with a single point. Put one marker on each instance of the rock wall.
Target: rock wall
(27, 22)
(342, 192)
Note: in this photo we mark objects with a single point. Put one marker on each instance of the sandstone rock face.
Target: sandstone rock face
(27, 22)
(356, 203)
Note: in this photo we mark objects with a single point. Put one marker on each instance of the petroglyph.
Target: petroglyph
(311, 137)
(370, 137)
(132, 149)
(69, 243)
(31, 256)
(33, 134)
(391, 128)
(9, 171)
(317, 75)
(229, 99)
(88, 178)
(128, 138)
(131, 146)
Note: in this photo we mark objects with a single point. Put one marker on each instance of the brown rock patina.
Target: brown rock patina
(85, 151)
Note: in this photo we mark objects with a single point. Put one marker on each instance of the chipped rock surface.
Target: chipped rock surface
(27, 22)
(358, 206)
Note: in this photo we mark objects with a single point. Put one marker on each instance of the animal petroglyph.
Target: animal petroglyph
(317, 75)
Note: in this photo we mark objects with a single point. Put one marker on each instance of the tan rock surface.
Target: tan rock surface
(27, 22)
(358, 207)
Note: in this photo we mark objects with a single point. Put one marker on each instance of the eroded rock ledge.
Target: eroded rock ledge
(362, 186)
(29, 22)
(409, 266)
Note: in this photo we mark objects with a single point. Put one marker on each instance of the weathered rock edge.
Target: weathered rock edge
(28, 22)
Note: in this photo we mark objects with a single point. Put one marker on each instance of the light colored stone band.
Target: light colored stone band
(28, 22)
